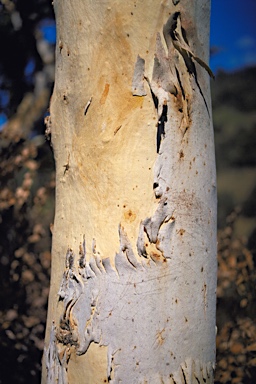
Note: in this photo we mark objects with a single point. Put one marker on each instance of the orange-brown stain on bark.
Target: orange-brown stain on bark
(104, 94)
(129, 215)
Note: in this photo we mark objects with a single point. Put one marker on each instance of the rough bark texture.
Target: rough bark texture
(134, 245)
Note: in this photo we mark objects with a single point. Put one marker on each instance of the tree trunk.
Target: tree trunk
(132, 296)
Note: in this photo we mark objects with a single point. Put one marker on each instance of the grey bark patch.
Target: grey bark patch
(138, 88)
(163, 73)
(110, 302)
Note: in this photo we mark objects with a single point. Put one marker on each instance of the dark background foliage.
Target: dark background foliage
(27, 183)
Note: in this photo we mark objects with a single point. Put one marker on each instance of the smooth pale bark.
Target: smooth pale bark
(132, 296)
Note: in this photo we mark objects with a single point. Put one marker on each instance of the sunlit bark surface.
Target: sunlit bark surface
(134, 243)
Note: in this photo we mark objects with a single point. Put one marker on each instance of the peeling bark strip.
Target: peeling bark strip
(175, 34)
(173, 29)
(166, 79)
(138, 78)
(134, 309)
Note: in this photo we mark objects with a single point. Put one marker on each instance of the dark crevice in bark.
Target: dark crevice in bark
(87, 106)
(184, 376)
(180, 84)
(154, 98)
(160, 128)
(111, 370)
(201, 93)
(170, 27)
(184, 35)
(161, 120)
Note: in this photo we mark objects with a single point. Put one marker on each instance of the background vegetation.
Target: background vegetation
(27, 201)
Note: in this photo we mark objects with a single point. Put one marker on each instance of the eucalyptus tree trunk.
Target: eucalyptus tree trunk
(132, 296)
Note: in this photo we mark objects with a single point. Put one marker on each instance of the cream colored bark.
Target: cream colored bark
(133, 283)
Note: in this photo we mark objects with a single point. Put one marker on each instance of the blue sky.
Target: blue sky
(233, 32)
